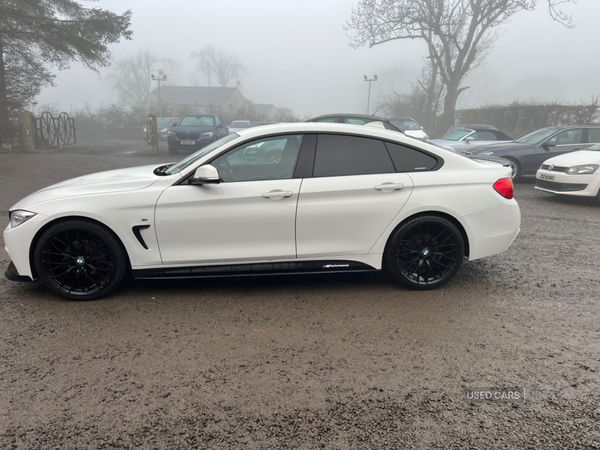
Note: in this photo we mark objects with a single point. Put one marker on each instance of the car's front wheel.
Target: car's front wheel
(425, 252)
(79, 260)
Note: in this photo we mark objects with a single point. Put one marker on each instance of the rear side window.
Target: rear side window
(350, 155)
(407, 159)
(594, 135)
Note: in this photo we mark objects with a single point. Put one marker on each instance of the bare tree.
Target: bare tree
(131, 77)
(225, 67)
(459, 33)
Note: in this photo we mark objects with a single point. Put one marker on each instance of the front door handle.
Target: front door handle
(389, 187)
(277, 194)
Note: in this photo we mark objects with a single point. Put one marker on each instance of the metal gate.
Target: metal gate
(54, 131)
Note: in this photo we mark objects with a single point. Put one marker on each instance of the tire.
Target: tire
(80, 260)
(425, 252)
(515, 169)
(173, 151)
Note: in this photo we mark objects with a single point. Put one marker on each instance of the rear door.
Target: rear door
(353, 195)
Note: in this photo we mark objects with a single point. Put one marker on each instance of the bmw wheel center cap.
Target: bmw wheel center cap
(80, 261)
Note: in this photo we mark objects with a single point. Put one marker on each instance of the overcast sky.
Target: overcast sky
(298, 56)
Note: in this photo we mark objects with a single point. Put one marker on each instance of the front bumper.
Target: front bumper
(13, 275)
(565, 184)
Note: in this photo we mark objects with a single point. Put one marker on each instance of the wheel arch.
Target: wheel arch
(46, 226)
(444, 215)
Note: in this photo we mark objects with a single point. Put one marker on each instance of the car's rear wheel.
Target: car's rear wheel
(515, 169)
(79, 260)
(425, 252)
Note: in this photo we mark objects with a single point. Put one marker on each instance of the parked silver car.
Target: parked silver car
(464, 139)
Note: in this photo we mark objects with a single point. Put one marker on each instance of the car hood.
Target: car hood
(119, 180)
(575, 158)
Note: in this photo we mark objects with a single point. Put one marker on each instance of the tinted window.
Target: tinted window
(328, 120)
(349, 155)
(484, 136)
(594, 135)
(407, 159)
(263, 159)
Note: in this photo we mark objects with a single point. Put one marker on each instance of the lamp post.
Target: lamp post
(369, 97)
(160, 77)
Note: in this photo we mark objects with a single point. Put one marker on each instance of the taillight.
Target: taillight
(504, 187)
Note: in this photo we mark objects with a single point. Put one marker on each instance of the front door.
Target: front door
(564, 142)
(249, 215)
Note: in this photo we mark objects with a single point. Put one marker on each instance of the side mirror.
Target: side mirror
(174, 124)
(469, 139)
(206, 174)
(546, 145)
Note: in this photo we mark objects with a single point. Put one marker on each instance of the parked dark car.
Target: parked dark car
(405, 125)
(195, 131)
(527, 154)
(465, 138)
(164, 124)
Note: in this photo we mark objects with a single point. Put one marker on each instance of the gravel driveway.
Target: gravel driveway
(333, 361)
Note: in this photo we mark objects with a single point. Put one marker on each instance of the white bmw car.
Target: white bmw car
(574, 174)
(288, 198)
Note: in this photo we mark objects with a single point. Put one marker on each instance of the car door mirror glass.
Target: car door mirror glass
(469, 139)
(206, 174)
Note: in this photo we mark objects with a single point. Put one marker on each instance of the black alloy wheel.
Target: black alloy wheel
(425, 252)
(79, 260)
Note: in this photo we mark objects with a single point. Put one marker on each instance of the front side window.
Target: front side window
(484, 136)
(191, 159)
(568, 137)
(536, 136)
(263, 159)
(338, 155)
(457, 135)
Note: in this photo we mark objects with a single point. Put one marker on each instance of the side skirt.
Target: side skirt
(238, 270)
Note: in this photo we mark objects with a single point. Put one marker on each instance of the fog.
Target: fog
(297, 55)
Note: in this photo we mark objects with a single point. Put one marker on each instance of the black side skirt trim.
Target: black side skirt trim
(237, 270)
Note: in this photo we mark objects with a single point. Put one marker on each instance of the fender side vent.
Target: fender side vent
(136, 232)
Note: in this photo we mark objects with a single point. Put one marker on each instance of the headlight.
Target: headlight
(486, 153)
(20, 216)
(209, 134)
(583, 170)
(170, 133)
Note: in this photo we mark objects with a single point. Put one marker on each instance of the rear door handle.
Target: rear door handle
(277, 194)
(389, 187)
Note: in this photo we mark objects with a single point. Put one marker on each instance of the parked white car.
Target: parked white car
(287, 198)
(574, 174)
(238, 125)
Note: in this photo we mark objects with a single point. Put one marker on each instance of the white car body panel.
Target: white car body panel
(568, 160)
(232, 222)
(193, 222)
(356, 214)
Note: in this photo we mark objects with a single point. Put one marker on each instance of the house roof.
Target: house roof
(262, 108)
(195, 95)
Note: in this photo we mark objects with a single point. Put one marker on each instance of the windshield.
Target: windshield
(537, 136)
(405, 124)
(197, 121)
(457, 135)
(186, 162)
(240, 124)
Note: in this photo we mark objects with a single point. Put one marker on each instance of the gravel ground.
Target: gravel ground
(333, 361)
